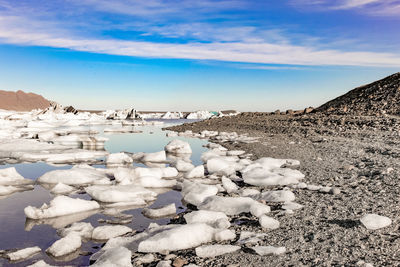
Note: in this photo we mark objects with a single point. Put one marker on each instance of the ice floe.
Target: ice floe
(121, 193)
(23, 254)
(59, 206)
(106, 232)
(65, 245)
(75, 176)
(165, 211)
(177, 146)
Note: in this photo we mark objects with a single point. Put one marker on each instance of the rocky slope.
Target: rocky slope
(380, 97)
(21, 101)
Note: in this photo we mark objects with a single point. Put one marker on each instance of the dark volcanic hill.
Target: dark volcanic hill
(380, 97)
(21, 101)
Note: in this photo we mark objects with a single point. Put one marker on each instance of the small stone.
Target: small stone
(170, 257)
(164, 264)
(179, 262)
(335, 191)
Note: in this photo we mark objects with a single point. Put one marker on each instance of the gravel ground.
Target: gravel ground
(357, 155)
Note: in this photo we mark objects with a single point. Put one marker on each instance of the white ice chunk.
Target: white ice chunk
(59, 206)
(221, 165)
(278, 196)
(83, 229)
(117, 159)
(375, 221)
(229, 186)
(292, 206)
(269, 250)
(178, 238)
(247, 237)
(65, 245)
(160, 212)
(115, 257)
(155, 157)
(268, 222)
(197, 172)
(75, 176)
(178, 147)
(215, 250)
(10, 176)
(23, 253)
(184, 166)
(121, 193)
(262, 176)
(214, 218)
(62, 189)
(224, 235)
(196, 193)
(228, 205)
(258, 209)
(106, 232)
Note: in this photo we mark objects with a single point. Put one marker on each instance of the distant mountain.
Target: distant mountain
(21, 101)
(380, 97)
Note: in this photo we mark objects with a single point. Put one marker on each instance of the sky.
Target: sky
(196, 54)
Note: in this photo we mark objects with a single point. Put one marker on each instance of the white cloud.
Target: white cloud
(12, 32)
(370, 7)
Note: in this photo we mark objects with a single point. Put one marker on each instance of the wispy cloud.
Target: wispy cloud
(370, 7)
(226, 42)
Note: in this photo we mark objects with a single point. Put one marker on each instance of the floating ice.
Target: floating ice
(278, 196)
(200, 115)
(59, 206)
(268, 222)
(62, 189)
(117, 159)
(196, 193)
(109, 231)
(75, 176)
(40, 263)
(116, 257)
(65, 245)
(121, 193)
(215, 250)
(177, 146)
(375, 221)
(23, 254)
(269, 250)
(9, 189)
(10, 176)
(68, 156)
(155, 157)
(178, 238)
(160, 212)
(83, 229)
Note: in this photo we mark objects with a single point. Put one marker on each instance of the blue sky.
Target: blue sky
(191, 55)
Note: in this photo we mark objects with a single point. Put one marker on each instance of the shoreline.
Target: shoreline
(356, 155)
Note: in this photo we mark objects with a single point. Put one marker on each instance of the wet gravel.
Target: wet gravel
(357, 155)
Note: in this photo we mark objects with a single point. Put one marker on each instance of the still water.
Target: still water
(16, 232)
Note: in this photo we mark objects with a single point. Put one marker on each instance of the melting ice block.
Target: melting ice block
(23, 253)
(269, 250)
(215, 250)
(10, 176)
(160, 212)
(75, 176)
(178, 238)
(116, 257)
(178, 147)
(196, 193)
(65, 245)
(59, 206)
(109, 231)
(230, 205)
(121, 193)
